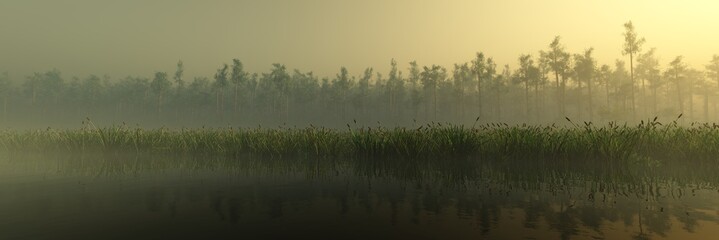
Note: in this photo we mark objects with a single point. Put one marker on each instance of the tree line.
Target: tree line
(545, 87)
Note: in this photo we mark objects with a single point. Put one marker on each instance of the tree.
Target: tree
(363, 88)
(675, 73)
(462, 76)
(341, 86)
(479, 67)
(415, 94)
(219, 86)
(523, 75)
(632, 46)
(5, 90)
(621, 82)
(200, 94)
(694, 78)
(238, 78)
(604, 77)
(713, 69)
(648, 70)
(558, 61)
(179, 73)
(395, 90)
(304, 87)
(585, 68)
(92, 87)
(431, 77)
(160, 84)
(499, 86)
(279, 80)
(490, 74)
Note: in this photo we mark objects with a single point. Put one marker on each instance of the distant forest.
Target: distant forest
(546, 87)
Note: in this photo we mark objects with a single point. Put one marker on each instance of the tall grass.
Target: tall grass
(648, 141)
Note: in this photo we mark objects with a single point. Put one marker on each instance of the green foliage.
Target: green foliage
(160, 83)
(616, 143)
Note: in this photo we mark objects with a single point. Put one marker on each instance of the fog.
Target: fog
(329, 63)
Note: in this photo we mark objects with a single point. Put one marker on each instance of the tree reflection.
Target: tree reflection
(563, 198)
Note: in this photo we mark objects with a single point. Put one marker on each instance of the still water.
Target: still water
(82, 197)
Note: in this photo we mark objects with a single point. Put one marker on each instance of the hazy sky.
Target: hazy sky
(139, 37)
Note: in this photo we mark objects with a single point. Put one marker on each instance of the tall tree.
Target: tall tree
(558, 60)
(622, 85)
(238, 77)
(523, 75)
(648, 70)
(160, 84)
(219, 86)
(632, 46)
(694, 78)
(490, 74)
(713, 69)
(179, 74)
(342, 85)
(675, 73)
(585, 68)
(479, 66)
(431, 77)
(5, 90)
(499, 86)
(462, 76)
(280, 81)
(604, 77)
(395, 90)
(92, 88)
(363, 90)
(415, 94)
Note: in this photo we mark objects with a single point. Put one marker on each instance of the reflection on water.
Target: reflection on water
(75, 197)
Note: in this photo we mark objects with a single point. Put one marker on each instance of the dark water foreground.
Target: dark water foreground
(130, 197)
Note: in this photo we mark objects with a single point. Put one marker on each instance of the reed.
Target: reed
(648, 142)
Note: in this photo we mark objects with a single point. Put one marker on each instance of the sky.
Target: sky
(140, 37)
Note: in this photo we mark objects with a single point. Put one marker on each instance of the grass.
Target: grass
(650, 142)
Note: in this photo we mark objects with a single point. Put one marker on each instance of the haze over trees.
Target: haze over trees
(543, 87)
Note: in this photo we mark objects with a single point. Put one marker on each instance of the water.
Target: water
(76, 197)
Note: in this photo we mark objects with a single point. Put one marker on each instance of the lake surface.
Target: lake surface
(81, 197)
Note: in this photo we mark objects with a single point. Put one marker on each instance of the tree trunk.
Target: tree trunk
(654, 94)
(591, 100)
(536, 102)
(679, 95)
(706, 105)
(479, 95)
(235, 108)
(606, 86)
(559, 94)
(562, 101)
(498, 105)
(644, 99)
(4, 107)
(217, 103)
(159, 104)
(579, 100)
(691, 99)
(434, 96)
(526, 100)
(631, 73)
